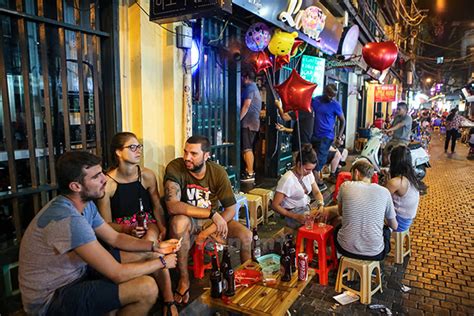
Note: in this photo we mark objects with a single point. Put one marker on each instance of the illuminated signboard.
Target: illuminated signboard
(385, 93)
(312, 69)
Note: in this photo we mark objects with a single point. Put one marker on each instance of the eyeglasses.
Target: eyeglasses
(134, 147)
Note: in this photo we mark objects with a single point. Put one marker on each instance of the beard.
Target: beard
(196, 168)
(87, 195)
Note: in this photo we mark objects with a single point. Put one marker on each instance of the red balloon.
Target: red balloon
(295, 93)
(280, 61)
(260, 61)
(380, 56)
(294, 49)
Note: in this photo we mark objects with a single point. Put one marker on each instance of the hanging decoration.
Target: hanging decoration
(296, 45)
(282, 42)
(260, 61)
(280, 61)
(380, 56)
(313, 21)
(295, 93)
(257, 37)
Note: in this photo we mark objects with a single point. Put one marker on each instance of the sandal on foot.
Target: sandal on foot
(168, 305)
(182, 295)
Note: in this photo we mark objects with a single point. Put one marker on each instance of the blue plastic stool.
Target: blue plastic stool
(242, 202)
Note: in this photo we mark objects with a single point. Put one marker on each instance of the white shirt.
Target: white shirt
(293, 191)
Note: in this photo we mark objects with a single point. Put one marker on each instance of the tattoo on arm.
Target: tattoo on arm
(172, 191)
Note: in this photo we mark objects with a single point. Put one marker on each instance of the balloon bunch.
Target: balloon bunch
(283, 46)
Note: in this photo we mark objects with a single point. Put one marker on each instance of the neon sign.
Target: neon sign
(312, 19)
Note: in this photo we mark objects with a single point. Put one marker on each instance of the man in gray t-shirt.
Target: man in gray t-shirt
(60, 248)
(364, 206)
(400, 130)
(249, 122)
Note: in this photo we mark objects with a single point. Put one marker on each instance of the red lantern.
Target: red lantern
(295, 93)
(380, 56)
(260, 61)
(280, 61)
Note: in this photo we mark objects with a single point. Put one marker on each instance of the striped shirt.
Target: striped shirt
(364, 207)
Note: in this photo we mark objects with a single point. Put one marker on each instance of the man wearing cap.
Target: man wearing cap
(326, 110)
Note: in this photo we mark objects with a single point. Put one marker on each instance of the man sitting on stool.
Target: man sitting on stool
(364, 206)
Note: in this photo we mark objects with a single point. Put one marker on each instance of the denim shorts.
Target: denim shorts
(321, 146)
(292, 223)
(92, 294)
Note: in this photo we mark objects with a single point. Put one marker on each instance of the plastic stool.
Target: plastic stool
(400, 253)
(344, 176)
(7, 279)
(324, 236)
(198, 252)
(364, 269)
(242, 203)
(255, 209)
(267, 198)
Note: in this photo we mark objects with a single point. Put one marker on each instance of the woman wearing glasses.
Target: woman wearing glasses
(130, 191)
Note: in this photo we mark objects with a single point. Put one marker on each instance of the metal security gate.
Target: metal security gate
(50, 72)
(216, 92)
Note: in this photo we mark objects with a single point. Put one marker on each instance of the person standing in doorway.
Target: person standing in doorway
(249, 122)
(326, 110)
(453, 121)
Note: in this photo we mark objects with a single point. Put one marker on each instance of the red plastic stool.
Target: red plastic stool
(324, 236)
(344, 176)
(199, 267)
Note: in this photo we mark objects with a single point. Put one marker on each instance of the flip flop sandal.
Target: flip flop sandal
(182, 295)
(168, 305)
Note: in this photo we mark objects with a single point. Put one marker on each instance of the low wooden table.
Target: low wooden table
(261, 299)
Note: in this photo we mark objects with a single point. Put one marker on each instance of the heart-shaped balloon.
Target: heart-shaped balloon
(380, 56)
(295, 93)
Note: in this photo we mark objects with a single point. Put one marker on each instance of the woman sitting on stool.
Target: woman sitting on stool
(404, 187)
(291, 197)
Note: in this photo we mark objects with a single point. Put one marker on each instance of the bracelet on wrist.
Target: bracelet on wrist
(163, 261)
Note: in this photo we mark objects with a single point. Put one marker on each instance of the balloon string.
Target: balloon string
(276, 143)
(299, 137)
(270, 83)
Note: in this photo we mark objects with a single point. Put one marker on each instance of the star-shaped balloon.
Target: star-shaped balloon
(260, 61)
(280, 61)
(295, 93)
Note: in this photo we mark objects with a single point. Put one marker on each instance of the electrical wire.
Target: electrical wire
(164, 28)
(221, 35)
(438, 46)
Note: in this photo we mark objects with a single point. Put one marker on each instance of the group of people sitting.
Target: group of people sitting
(365, 211)
(65, 269)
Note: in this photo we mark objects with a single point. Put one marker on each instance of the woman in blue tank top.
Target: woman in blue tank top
(129, 191)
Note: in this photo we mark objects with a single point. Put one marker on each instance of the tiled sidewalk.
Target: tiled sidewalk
(440, 270)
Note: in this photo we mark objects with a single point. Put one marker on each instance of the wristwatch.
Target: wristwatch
(320, 203)
(212, 213)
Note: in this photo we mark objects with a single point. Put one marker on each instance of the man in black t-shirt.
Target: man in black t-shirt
(195, 190)
(306, 122)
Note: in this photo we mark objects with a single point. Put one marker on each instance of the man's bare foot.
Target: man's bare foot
(181, 294)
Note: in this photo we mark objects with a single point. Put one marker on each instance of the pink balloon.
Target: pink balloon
(380, 56)
(296, 92)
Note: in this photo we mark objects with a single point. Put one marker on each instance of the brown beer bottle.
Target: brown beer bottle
(285, 264)
(292, 252)
(216, 279)
(227, 273)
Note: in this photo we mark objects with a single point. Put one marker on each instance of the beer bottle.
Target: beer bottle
(256, 250)
(284, 250)
(286, 276)
(292, 252)
(228, 273)
(216, 279)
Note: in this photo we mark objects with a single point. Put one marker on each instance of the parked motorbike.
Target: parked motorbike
(373, 153)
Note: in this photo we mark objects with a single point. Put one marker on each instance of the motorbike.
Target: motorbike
(373, 153)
